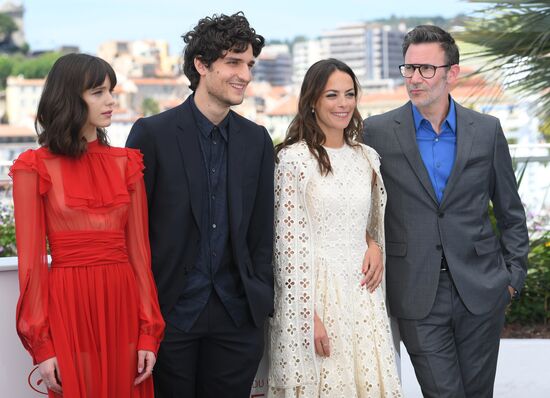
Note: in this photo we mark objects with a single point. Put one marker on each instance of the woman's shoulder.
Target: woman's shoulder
(297, 152)
(370, 154)
(134, 160)
(368, 150)
(33, 157)
(132, 154)
(32, 160)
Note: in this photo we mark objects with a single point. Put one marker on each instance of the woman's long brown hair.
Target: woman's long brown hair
(304, 126)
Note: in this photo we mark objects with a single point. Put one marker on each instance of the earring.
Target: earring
(313, 110)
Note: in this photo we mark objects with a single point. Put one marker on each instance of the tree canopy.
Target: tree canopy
(150, 107)
(30, 68)
(514, 37)
(7, 26)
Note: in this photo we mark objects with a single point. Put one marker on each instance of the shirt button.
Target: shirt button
(438, 165)
(213, 254)
(213, 197)
(436, 139)
(213, 170)
(214, 226)
(214, 142)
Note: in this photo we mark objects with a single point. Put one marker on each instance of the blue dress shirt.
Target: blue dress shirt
(438, 151)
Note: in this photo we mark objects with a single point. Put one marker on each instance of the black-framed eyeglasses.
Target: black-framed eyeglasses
(427, 71)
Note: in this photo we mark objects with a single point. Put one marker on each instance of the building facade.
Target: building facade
(274, 65)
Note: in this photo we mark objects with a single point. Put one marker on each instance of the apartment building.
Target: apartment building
(373, 51)
(274, 65)
(22, 96)
(304, 54)
(139, 58)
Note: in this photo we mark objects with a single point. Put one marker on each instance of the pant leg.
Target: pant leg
(230, 355)
(175, 371)
(431, 346)
(477, 340)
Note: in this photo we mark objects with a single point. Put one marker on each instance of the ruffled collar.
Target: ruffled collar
(96, 179)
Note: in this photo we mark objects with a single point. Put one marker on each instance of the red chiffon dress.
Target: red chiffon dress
(97, 303)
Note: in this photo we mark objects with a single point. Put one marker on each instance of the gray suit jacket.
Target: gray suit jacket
(418, 229)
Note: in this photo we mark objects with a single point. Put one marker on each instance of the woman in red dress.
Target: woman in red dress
(91, 321)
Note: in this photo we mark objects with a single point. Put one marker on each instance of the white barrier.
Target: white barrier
(259, 387)
(18, 377)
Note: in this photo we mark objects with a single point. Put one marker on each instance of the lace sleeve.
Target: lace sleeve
(292, 354)
(375, 223)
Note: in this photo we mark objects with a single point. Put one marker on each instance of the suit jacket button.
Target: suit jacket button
(439, 247)
(440, 214)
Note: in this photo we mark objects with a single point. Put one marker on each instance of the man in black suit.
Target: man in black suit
(209, 181)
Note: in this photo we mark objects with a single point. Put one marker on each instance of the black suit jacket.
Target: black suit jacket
(175, 181)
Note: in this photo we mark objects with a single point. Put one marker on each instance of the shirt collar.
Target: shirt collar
(205, 125)
(450, 119)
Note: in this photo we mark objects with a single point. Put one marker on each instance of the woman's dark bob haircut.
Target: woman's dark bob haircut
(62, 112)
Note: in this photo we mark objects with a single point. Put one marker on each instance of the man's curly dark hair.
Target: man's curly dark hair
(213, 37)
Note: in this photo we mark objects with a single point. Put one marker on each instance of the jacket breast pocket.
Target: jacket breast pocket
(487, 245)
(396, 249)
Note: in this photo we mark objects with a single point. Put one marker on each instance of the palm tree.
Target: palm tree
(514, 41)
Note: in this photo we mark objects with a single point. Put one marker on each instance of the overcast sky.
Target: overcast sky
(87, 23)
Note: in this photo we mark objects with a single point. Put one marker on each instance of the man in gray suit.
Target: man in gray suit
(449, 275)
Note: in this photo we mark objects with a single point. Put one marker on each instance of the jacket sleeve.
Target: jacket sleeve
(260, 236)
(509, 212)
(30, 182)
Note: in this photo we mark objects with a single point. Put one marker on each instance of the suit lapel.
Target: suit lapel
(235, 169)
(405, 134)
(191, 156)
(464, 141)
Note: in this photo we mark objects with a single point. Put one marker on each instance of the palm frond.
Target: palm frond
(512, 37)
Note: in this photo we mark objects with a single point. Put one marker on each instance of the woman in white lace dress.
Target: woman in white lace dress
(330, 334)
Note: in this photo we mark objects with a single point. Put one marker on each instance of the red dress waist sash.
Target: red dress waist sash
(87, 248)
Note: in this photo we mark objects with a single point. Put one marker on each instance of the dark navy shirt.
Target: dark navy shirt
(438, 151)
(215, 269)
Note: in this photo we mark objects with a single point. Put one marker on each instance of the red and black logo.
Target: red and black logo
(36, 382)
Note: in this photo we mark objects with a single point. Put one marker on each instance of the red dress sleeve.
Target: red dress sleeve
(151, 328)
(30, 182)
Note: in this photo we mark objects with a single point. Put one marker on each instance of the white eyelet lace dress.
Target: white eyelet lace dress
(319, 247)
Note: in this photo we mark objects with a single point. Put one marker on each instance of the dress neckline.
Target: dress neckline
(339, 149)
(93, 144)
